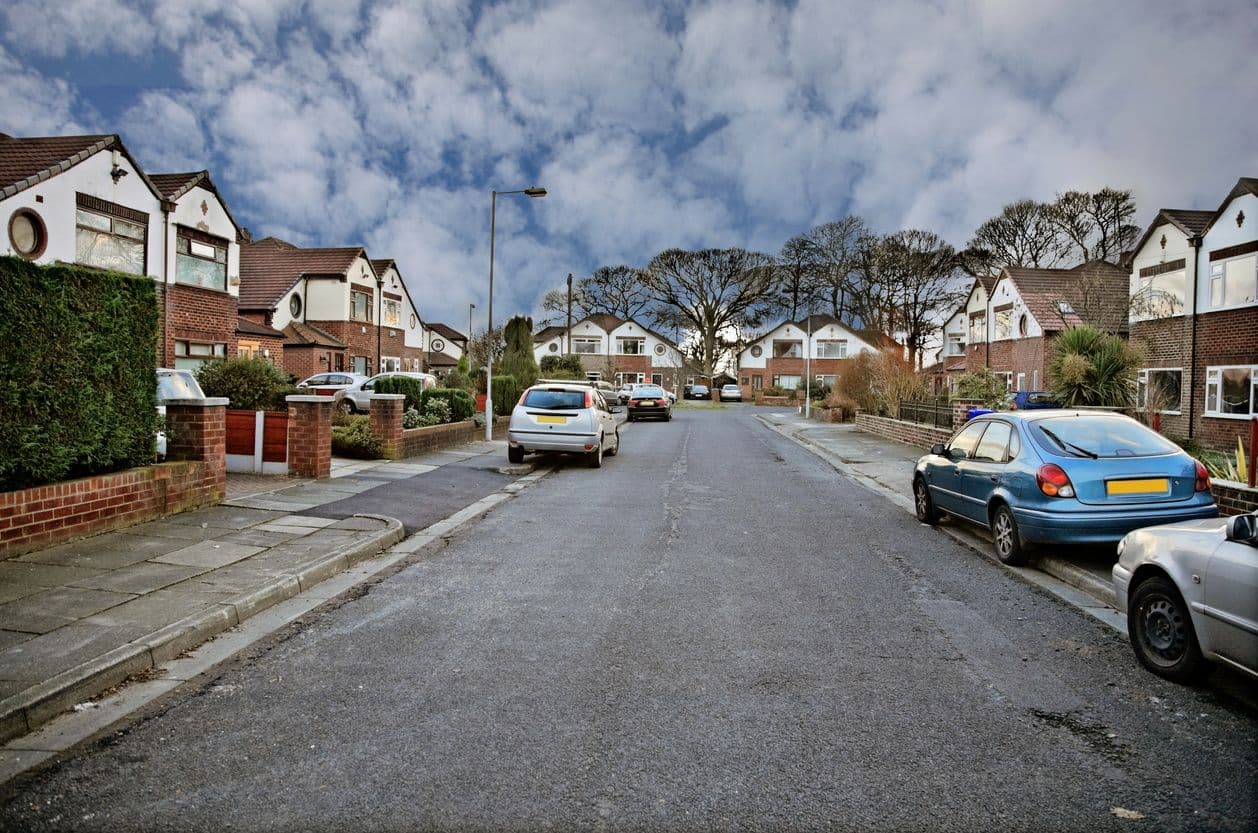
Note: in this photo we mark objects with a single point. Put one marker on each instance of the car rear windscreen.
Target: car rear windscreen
(1088, 436)
(646, 392)
(555, 400)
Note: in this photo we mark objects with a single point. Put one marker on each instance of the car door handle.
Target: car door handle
(993, 478)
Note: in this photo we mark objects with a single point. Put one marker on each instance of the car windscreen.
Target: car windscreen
(177, 386)
(647, 392)
(554, 400)
(1098, 436)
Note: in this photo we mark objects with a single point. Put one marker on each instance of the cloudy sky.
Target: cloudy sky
(652, 124)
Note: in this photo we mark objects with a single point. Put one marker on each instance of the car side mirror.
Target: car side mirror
(939, 450)
(1244, 529)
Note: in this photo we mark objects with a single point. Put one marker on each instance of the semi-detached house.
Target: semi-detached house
(819, 345)
(619, 350)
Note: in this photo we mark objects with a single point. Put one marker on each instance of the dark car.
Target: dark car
(1032, 400)
(649, 401)
(699, 392)
(1059, 477)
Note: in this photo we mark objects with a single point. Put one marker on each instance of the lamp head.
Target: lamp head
(535, 192)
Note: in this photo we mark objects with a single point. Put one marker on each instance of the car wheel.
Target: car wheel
(925, 507)
(347, 406)
(616, 448)
(1006, 537)
(596, 456)
(1161, 631)
(515, 454)
(629, 418)
(668, 417)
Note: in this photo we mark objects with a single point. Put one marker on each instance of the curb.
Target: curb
(1058, 568)
(25, 711)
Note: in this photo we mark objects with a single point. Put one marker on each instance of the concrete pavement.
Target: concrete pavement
(1081, 577)
(81, 617)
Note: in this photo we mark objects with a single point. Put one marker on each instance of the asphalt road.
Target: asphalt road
(714, 631)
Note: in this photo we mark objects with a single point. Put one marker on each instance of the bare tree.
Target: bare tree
(836, 253)
(873, 286)
(1097, 226)
(713, 292)
(616, 290)
(798, 275)
(918, 270)
(1022, 234)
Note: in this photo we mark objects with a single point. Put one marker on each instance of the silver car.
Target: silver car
(1190, 591)
(173, 385)
(357, 397)
(564, 417)
(327, 384)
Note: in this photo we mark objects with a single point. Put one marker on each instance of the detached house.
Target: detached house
(618, 350)
(446, 346)
(818, 345)
(1194, 308)
(84, 200)
(1013, 319)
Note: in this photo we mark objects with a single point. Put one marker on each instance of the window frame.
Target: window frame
(1222, 264)
(588, 341)
(638, 342)
(1142, 388)
(795, 348)
(391, 316)
(354, 294)
(839, 343)
(190, 238)
(978, 327)
(778, 377)
(1216, 371)
(111, 212)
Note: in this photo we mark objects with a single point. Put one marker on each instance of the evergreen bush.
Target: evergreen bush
(507, 392)
(250, 384)
(460, 402)
(411, 388)
(356, 440)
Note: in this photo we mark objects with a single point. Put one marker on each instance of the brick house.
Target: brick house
(446, 346)
(951, 364)
(334, 297)
(1193, 286)
(1013, 318)
(619, 351)
(404, 332)
(820, 345)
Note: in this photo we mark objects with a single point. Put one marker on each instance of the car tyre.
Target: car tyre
(922, 503)
(616, 449)
(515, 454)
(668, 417)
(346, 406)
(596, 456)
(1005, 535)
(1161, 631)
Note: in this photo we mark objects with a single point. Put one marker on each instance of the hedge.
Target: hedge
(460, 401)
(411, 388)
(250, 384)
(507, 390)
(78, 387)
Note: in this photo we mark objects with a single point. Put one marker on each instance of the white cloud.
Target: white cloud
(33, 105)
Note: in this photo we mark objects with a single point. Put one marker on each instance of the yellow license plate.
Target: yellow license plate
(1137, 487)
(555, 420)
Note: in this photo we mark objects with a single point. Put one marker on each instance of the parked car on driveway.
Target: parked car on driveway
(699, 392)
(1190, 591)
(731, 393)
(173, 385)
(565, 417)
(357, 397)
(1059, 477)
(327, 384)
(649, 401)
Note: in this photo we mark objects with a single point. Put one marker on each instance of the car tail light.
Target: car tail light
(1203, 477)
(522, 395)
(589, 398)
(1054, 482)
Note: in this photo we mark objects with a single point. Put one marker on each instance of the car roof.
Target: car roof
(568, 385)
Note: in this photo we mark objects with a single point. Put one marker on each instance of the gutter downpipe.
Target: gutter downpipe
(166, 340)
(1195, 240)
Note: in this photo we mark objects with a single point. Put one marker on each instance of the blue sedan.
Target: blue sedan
(1059, 477)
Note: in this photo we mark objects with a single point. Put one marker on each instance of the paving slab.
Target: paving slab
(144, 577)
(209, 554)
(222, 516)
(15, 590)
(48, 655)
(10, 638)
(104, 552)
(159, 608)
(57, 607)
(42, 575)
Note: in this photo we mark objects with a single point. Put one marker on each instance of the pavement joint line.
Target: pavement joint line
(253, 615)
(1046, 579)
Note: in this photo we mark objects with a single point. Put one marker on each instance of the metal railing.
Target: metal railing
(936, 412)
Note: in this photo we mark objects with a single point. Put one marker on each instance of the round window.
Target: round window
(27, 234)
(554, 347)
(659, 349)
(757, 351)
(412, 320)
(438, 345)
(294, 306)
(1022, 325)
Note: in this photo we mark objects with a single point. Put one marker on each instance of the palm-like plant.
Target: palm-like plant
(1091, 367)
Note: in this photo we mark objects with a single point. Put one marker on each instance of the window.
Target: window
(955, 345)
(585, 345)
(965, 440)
(1024, 325)
(827, 379)
(1003, 323)
(201, 260)
(109, 236)
(1232, 391)
(1159, 291)
(978, 328)
(660, 349)
(1021, 382)
(1007, 375)
(1234, 282)
(788, 350)
(657, 379)
(248, 350)
(360, 306)
(390, 364)
(995, 440)
(554, 347)
(294, 306)
(360, 365)
(629, 378)
(189, 355)
(757, 382)
(27, 234)
(757, 351)
(392, 313)
(786, 382)
(1159, 389)
(631, 346)
(832, 349)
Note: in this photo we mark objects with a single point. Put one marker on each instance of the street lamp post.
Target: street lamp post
(379, 318)
(534, 193)
(468, 344)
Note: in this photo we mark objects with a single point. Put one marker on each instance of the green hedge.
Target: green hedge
(356, 440)
(78, 387)
(411, 388)
(507, 390)
(250, 384)
(460, 401)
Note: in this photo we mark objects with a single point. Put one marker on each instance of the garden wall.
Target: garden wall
(922, 436)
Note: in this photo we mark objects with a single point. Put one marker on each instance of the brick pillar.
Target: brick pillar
(196, 429)
(310, 436)
(960, 410)
(386, 422)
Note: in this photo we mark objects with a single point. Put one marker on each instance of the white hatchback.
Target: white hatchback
(570, 418)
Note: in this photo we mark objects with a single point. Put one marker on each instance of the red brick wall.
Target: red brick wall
(1021, 355)
(310, 439)
(1223, 338)
(790, 367)
(357, 342)
(196, 314)
(1234, 498)
(386, 422)
(922, 436)
(1167, 342)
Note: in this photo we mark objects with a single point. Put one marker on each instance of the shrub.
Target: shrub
(841, 403)
(249, 384)
(411, 418)
(438, 411)
(411, 388)
(1091, 367)
(983, 386)
(879, 382)
(459, 402)
(517, 358)
(562, 367)
(774, 390)
(507, 392)
(356, 440)
(77, 384)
